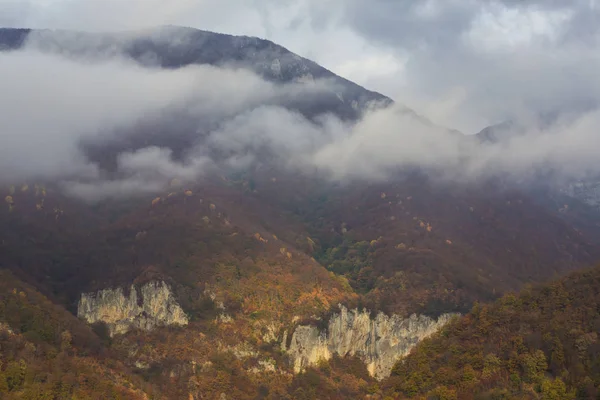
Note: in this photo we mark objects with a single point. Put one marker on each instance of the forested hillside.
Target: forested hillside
(540, 344)
(47, 353)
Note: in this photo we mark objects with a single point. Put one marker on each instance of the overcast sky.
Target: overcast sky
(462, 63)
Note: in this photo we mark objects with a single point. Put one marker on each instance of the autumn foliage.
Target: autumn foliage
(541, 344)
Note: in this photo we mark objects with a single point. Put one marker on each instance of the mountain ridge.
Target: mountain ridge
(264, 57)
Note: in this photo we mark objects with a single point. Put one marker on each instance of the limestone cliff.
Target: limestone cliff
(379, 342)
(154, 305)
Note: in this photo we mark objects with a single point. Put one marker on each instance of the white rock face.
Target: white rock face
(154, 306)
(379, 342)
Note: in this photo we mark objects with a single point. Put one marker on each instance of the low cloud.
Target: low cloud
(388, 140)
(147, 170)
(113, 128)
(49, 104)
(464, 63)
(70, 118)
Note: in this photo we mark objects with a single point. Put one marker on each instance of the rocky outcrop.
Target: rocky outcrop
(153, 305)
(379, 342)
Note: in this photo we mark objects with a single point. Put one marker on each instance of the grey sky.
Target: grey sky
(462, 63)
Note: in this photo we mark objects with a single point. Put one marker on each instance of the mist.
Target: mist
(228, 119)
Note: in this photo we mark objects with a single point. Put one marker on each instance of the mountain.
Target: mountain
(264, 281)
(176, 47)
(539, 344)
(317, 91)
(238, 264)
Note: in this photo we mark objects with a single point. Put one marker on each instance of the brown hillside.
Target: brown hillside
(542, 344)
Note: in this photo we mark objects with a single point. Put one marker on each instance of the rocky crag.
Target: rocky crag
(379, 342)
(152, 305)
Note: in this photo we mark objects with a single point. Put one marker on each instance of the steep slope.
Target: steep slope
(48, 353)
(208, 257)
(540, 344)
(414, 245)
(193, 237)
(238, 263)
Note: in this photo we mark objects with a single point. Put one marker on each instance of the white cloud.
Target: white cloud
(503, 30)
(503, 56)
(50, 103)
